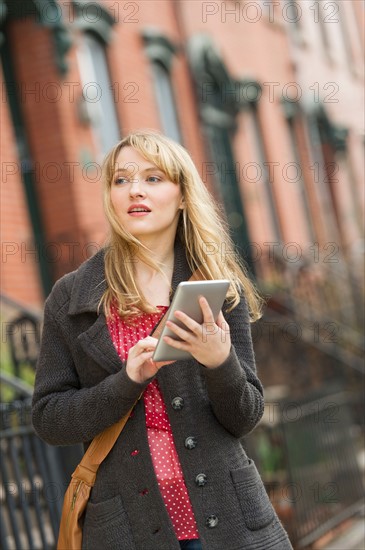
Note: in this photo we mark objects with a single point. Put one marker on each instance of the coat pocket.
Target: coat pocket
(257, 509)
(106, 525)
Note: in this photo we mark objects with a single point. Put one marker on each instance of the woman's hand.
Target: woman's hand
(140, 366)
(209, 343)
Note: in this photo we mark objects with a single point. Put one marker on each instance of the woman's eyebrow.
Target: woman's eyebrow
(153, 169)
(131, 167)
(133, 170)
(121, 171)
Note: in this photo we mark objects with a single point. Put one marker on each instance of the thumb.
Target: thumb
(221, 322)
(159, 364)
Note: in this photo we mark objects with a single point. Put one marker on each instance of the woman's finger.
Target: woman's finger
(177, 344)
(221, 321)
(147, 344)
(192, 325)
(207, 312)
(145, 355)
(182, 333)
(159, 364)
(149, 341)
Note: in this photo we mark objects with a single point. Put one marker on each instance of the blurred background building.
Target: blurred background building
(267, 95)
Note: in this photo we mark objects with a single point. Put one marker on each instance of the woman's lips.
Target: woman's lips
(138, 214)
(138, 209)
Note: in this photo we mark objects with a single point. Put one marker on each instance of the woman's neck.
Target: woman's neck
(155, 285)
(163, 256)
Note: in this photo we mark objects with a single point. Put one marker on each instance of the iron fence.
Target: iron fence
(32, 488)
(307, 454)
(34, 475)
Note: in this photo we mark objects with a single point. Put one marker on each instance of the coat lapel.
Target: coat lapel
(89, 285)
(97, 344)
(87, 290)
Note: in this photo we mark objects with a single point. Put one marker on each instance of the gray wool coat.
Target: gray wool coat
(82, 388)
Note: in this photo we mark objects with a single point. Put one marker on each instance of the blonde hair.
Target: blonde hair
(201, 229)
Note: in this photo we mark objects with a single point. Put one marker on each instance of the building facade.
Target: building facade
(267, 95)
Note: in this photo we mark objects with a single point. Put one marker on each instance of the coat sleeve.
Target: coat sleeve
(234, 389)
(63, 412)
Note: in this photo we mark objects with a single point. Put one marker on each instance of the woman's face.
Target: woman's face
(145, 201)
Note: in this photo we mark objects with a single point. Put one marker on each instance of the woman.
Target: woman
(178, 476)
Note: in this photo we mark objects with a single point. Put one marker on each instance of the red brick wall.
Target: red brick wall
(20, 278)
(59, 142)
(130, 67)
(69, 199)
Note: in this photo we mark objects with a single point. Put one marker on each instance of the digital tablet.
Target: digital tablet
(186, 299)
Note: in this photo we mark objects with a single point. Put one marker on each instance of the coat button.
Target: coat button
(201, 480)
(177, 403)
(211, 521)
(191, 442)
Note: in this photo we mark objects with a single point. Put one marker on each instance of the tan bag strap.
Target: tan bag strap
(103, 443)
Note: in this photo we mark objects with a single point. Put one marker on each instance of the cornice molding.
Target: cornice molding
(94, 17)
(159, 47)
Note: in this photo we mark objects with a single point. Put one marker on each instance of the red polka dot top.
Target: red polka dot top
(160, 438)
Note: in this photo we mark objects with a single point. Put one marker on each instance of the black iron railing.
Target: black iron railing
(20, 331)
(32, 482)
(308, 443)
(34, 475)
(307, 454)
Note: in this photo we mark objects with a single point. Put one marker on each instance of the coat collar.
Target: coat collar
(90, 284)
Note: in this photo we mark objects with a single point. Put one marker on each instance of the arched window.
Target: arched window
(292, 14)
(98, 92)
(165, 100)
(293, 130)
(254, 131)
(219, 104)
(160, 51)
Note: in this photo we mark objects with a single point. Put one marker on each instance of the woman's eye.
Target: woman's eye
(121, 180)
(153, 179)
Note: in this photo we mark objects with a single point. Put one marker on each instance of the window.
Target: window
(254, 130)
(161, 52)
(301, 183)
(269, 8)
(323, 27)
(226, 180)
(218, 111)
(165, 100)
(342, 18)
(98, 93)
(292, 14)
(325, 170)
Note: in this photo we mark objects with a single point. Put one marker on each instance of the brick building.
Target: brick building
(247, 87)
(266, 95)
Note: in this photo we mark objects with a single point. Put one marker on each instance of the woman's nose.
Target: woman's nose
(136, 190)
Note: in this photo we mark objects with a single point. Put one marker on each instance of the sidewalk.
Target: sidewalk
(350, 537)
